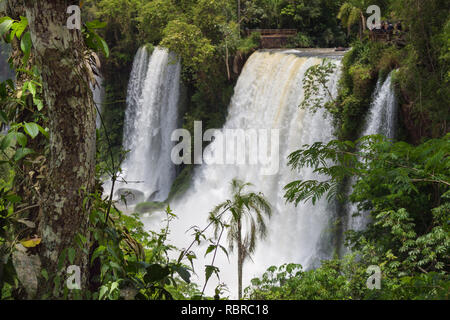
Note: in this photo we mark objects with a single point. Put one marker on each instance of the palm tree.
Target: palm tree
(245, 225)
(352, 12)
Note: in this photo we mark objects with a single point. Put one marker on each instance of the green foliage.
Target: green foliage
(251, 207)
(300, 41)
(316, 20)
(249, 44)
(130, 262)
(342, 279)
(315, 86)
(335, 279)
(187, 41)
(406, 191)
(93, 40)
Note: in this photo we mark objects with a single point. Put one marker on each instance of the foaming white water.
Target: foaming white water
(151, 117)
(382, 119)
(267, 96)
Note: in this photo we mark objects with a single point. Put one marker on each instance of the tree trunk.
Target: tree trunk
(60, 56)
(240, 259)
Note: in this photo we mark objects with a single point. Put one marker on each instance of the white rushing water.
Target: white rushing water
(267, 96)
(150, 118)
(382, 119)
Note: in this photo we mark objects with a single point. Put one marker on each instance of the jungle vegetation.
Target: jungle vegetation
(52, 217)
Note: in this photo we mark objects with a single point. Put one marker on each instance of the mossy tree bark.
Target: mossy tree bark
(60, 54)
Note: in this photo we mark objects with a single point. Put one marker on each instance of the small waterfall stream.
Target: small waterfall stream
(382, 119)
(151, 117)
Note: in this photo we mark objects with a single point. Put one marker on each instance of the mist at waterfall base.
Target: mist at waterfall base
(267, 96)
(150, 118)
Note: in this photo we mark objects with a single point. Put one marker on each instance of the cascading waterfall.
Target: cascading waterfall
(134, 94)
(151, 117)
(382, 119)
(267, 96)
(383, 114)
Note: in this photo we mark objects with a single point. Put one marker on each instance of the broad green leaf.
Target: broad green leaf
(96, 24)
(209, 270)
(184, 274)
(39, 104)
(3, 19)
(26, 44)
(31, 129)
(114, 286)
(21, 26)
(5, 25)
(30, 86)
(21, 139)
(7, 141)
(43, 131)
(210, 249)
(21, 153)
(103, 291)
(225, 251)
(71, 255)
(156, 272)
(95, 42)
(103, 45)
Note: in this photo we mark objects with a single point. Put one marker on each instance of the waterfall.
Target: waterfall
(150, 118)
(134, 94)
(383, 112)
(382, 119)
(267, 96)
